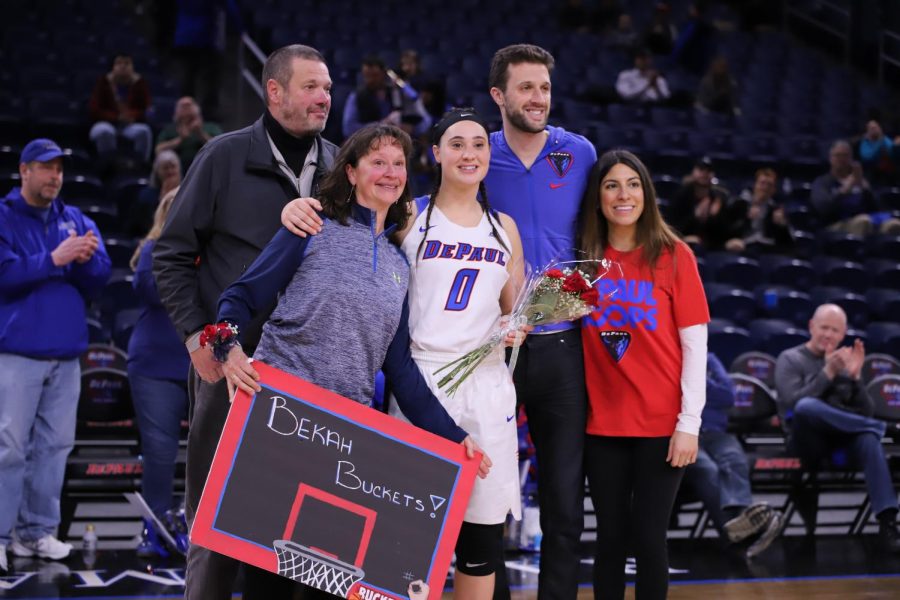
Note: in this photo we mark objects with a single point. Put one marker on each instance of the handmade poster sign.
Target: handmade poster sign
(325, 491)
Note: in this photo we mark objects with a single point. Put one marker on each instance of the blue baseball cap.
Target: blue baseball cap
(41, 150)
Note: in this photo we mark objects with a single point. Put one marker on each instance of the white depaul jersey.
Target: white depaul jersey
(454, 286)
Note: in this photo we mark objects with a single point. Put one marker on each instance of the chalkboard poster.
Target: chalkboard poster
(326, 491)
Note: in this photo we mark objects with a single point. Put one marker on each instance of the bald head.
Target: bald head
(827, 328)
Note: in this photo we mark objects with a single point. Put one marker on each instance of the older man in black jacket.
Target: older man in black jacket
(227, 210)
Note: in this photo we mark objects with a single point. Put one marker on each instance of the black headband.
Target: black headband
(453, 117)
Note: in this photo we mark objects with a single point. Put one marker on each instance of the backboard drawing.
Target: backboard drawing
(329, 558)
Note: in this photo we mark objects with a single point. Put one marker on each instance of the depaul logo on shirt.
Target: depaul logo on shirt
(630, 303)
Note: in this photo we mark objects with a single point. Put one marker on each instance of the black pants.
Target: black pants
(549, 380)
(633, 489)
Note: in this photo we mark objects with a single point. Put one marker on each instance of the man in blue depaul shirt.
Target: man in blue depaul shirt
(538, 175)
(51, 260)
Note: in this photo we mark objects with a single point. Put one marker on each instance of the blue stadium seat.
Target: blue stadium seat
(884, 246)
(666, 186)
(671, 118)
(884, 304)
(784, 302)
(885, 273)
(843, 245)
(734, 269)
(118, 295)
(884, 337)
(842, 273)
(786, 270)
(83, 187)
(781, 341)
(627, 114)
(756, 364)
(754, 402)
(856, 306)
(104, 217)
(761, 330)
(805, 244)
(885, 394)
(120, 251)
(890, 198)
(728, 342)
(730, 302)
(755, 149)
(877, 364)
(711, 121)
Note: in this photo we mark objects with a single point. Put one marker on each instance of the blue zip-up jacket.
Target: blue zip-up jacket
(42, 306)
(719, 395)
(341, 316)
(543, 200)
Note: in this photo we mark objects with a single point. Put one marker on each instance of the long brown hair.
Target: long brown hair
(159, 219)
(337, 194)
(653, 234)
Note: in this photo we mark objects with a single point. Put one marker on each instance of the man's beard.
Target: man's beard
(518, 120)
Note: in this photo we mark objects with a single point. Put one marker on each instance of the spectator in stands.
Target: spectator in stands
(699, 209)
(187, 133)
(212, 219)
(757, 217)
(721, 475)
(661, 34)
(157, 364)
(383, 97)
(624, 36)
(198, 44)
(718, 89)
(843, 199)
(164, 177)
(431, 89)
(876, 154)
(695, 42)
(826, 407)
(643, 84)
(51, 260)
(119, 105)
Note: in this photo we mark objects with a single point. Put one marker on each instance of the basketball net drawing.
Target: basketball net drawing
(325, 541)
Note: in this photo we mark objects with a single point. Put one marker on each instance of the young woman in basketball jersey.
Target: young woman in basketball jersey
(645, 369)
(466, 270)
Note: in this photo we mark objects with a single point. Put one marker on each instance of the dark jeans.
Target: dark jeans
(549, 381)
(818, 428)
(633, 489)
(209, 575)
(721, 475)
(160, 405)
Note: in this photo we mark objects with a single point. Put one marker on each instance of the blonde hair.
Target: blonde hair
(159, 219)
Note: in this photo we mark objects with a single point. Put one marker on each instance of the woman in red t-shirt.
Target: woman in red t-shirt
(645, 368)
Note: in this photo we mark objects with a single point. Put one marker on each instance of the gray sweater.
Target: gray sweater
(341, 315)
(800, 374)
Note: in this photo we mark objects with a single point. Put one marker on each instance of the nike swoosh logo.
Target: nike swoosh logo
(423, 229)
(510, 418)
(556, 186)
(473, 565)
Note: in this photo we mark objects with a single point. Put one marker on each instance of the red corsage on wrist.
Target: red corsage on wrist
(221, 337)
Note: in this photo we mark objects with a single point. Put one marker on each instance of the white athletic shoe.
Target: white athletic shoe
(46, 547)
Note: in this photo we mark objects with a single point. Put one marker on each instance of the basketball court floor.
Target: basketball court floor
(794, 567)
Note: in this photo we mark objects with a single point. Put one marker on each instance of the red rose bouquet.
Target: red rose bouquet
(561, 292)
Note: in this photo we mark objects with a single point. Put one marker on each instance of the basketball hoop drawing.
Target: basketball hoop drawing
(315, 569)
(325, 541)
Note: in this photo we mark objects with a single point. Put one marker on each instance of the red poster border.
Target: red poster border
(202, 531)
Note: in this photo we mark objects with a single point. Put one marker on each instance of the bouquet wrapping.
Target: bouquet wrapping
(562, 291)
